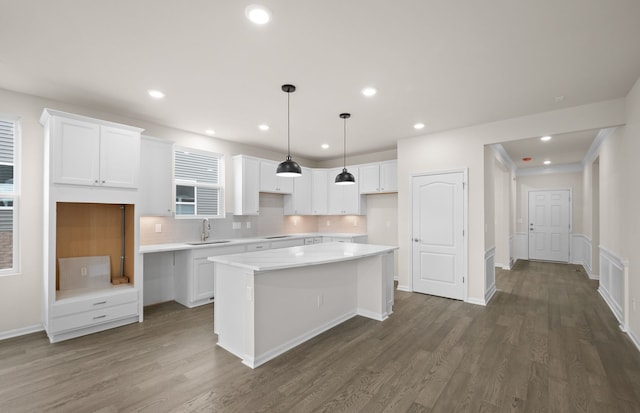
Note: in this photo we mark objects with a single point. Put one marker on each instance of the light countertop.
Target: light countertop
(300, 256)
(178, 246)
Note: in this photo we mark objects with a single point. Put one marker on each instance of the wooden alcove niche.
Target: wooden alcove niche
(88, 229)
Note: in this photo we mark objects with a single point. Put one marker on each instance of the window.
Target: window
(9, 132)
(199, 180)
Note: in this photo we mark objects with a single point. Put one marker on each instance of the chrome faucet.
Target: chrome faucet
(206, 227)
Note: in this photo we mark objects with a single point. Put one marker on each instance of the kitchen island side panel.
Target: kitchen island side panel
(295, 304)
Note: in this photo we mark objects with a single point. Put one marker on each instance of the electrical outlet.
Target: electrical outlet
(320, 300)
(328, 223)
(248, 225)
(237, 225)
(83, 271)
(158, 227)
(633, 304)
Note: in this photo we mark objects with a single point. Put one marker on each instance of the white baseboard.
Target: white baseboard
(403, 287)
(21, 331)
(476, 301)
(634, 339)
(490, 293)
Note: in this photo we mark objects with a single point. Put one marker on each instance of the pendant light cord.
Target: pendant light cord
(344, 164)
(288, 125)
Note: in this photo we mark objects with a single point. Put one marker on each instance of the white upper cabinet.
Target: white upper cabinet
(299, 202)
(379, 177)
(270, 182)
(156, 177)
(91, 152)
(345, 199)
(319, 195)
(246, 185)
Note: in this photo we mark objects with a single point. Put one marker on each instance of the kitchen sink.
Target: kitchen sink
(208, 242)
(277, 236)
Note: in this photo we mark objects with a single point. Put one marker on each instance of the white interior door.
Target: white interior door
(438, 260)
(549, 225)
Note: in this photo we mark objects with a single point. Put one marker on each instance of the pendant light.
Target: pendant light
(289, 168)
(344, 177)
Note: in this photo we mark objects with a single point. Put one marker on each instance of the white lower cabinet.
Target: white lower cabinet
(87, 313)
(357, 239)
(287, 243)
(195, 275)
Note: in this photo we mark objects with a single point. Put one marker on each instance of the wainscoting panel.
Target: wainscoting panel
(489, 273)
(613, 273)
(581, 253)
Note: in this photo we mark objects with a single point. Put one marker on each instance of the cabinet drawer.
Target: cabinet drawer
(259, 246)
(89, 318)
(209, 252)
(95, 302)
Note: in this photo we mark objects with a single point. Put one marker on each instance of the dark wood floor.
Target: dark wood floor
(546, 343)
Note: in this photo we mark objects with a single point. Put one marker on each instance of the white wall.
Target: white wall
(619, 201)
(464, 148)
(631, 204)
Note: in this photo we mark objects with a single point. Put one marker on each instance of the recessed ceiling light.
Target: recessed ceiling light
(545, 138)
(419, 125)
(325, 146)
(258, 14)
(263, 127)
(156, 94)
(547, 162)
(369, 91)
(210, 132)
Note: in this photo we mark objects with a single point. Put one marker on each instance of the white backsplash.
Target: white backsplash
(271, 221)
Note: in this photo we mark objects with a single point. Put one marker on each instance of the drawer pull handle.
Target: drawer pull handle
(100, 303)
(100, 316)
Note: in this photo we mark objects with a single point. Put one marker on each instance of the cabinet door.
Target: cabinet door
(344, 199)
(76, 147)
(203, 280)
(246, 173)
(319, 194)
(268, 178)
(270, 182)
(119, 157)
(299, 202)
(156, 177)
(369, 179)
(389, 176)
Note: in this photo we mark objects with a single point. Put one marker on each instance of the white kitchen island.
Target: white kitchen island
(268, 302)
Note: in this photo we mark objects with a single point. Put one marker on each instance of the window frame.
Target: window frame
(15, 194)
(196, 184)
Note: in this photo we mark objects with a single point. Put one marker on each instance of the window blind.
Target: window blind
(197, 167)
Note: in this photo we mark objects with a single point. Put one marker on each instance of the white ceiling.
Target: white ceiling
(566, 148)
(447, 64)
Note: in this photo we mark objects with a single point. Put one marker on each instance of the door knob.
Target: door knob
(416, 240)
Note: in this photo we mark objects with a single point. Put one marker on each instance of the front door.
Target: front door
(438, 255)
(549, 225)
